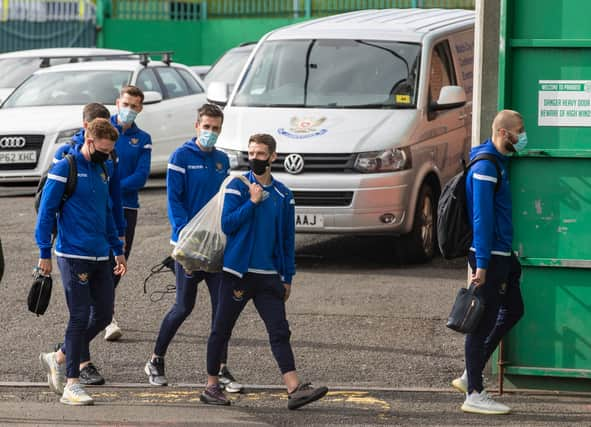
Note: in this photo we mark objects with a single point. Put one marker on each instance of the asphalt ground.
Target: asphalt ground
(364, 321)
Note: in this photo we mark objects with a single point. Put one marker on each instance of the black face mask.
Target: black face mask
(259, 167)
(98, 156)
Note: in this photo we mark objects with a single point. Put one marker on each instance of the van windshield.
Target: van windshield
(322, 73)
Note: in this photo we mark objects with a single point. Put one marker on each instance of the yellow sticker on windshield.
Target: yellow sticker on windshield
(403, 99)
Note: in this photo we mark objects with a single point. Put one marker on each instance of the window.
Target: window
(147, 81)
(174, 85)
(442, 72)
(328, 73)
(194, 86)
(69, 88)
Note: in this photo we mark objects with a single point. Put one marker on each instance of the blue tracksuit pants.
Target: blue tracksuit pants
(267, 292)
(86, 284)
(186, 295)
(502, 310)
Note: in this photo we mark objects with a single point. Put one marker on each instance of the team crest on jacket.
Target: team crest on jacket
(83, 278)
(103, 177)
(238, 295)
(134, 141)
(219, 167)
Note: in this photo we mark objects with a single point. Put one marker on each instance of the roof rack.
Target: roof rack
(166, 56)
(144, 57)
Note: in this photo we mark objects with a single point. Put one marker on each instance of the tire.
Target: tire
(421, 242)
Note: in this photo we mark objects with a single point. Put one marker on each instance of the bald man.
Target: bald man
(495, 268)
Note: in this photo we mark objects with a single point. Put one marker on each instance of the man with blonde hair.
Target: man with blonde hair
(86, 235)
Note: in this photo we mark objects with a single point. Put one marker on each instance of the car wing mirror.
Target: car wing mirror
(449, 97)
(217, 93)
(152, 97)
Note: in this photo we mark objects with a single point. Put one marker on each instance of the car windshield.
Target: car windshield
(16, 70)
(332, 74)
(228, 68)
(69, 88)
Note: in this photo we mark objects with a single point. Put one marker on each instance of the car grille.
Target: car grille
(314, 162)
(323, 198)
(33, 142)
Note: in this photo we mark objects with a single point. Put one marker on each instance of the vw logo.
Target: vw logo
(293, 163)
(12, 142)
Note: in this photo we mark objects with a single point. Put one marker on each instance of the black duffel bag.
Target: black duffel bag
(466, 312)
(40, 293)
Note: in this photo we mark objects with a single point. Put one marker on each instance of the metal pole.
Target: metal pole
(296, 5)
(203, 11)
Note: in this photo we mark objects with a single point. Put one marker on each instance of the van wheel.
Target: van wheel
(421, 241)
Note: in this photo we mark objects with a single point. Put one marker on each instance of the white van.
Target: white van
(371, 111)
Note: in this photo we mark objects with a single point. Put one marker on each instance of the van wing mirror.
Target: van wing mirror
(449, 97)
(152, 97)
(217, 93)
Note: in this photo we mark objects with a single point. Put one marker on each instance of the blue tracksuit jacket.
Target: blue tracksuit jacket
(238, 225)
(114, 179)
(489, 212)
(134, 149)
(86, 229)
(193, 178)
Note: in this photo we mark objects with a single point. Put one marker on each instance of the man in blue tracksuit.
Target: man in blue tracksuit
(134, 152)
(89, 374)
(495, 268)
(86, 236)
(195, 172)
(259, 263)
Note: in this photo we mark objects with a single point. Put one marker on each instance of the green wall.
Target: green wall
(194, 42)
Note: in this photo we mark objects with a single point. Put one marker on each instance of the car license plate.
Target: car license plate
(18, 157)
(309, 221)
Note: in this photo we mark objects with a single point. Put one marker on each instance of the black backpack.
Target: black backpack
(71, 182)
(454, 231)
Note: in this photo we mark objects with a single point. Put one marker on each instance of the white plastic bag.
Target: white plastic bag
(201, 243)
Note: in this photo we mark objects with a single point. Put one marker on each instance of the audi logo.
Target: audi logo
(13, 142)
(293, 163)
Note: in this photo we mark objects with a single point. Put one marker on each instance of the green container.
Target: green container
(545, 73)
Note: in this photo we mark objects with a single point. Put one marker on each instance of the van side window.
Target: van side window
(442, 71)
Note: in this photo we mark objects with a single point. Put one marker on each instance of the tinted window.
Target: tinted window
(441, 72)
(174, 84)
(194, 86)
(147, 80)
(69, 88)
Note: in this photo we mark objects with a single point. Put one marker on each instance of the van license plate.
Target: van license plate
(18, 157)
(309, 221)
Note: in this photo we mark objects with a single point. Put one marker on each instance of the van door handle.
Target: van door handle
(462, 116)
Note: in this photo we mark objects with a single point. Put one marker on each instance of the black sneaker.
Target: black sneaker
(154, 369)
(305, 394)
(213, 395)
(89, 375)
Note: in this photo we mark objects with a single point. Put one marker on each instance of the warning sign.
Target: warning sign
(564, 103)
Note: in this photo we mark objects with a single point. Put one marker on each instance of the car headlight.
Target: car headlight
(235, 158)
(393, 159)
(65, 136)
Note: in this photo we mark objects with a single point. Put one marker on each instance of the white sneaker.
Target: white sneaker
(56, 373)
(481, 403)
(228, 382)
(461, 384)
(113, 332)
(74, 394)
